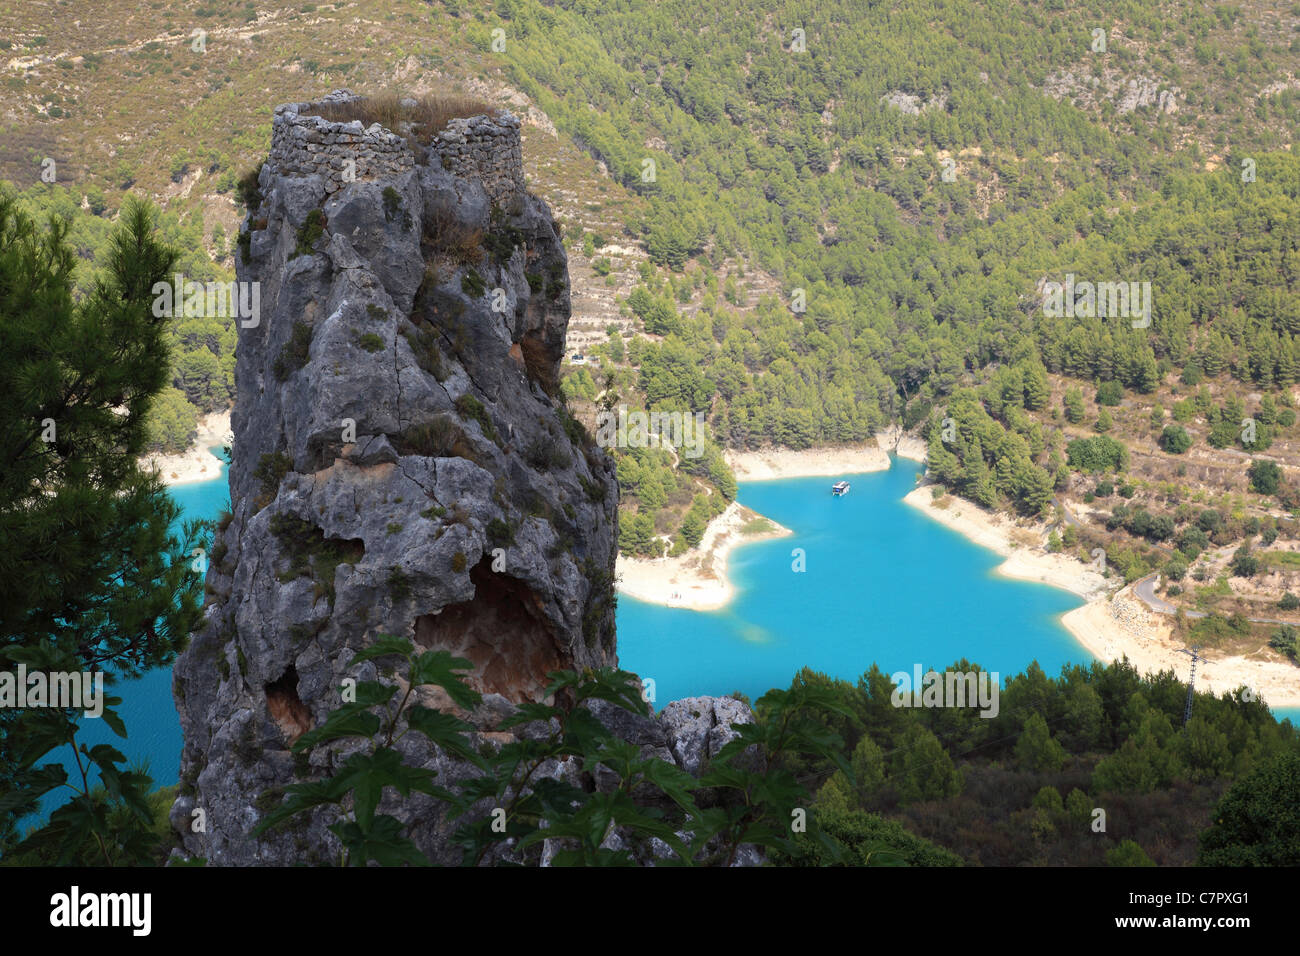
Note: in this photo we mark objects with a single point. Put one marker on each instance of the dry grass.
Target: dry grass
(421, 122)
(452, 238)
(539, 364)
(1025, 537)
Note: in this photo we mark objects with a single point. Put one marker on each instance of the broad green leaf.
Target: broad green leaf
(448, 732)
(115, 723)
(349, 720)
(439, 667)
(384, 645)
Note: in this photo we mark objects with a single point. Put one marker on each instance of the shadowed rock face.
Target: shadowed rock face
(402, 466)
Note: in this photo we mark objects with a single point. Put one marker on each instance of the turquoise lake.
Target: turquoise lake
(152, 725)
(883, 583)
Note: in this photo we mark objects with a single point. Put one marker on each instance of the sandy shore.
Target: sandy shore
(1109, 627)
(1020, 542)
(198, 463)
(774, 463)
(1124, 626)
(698, 579)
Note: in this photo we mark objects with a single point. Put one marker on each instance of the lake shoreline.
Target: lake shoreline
(196, 463)
(777, 464)
(696, 580)
(1020, 541)
(1108, 626)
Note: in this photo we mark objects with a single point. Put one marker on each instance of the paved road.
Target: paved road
(1145, 589)
(1069, 518)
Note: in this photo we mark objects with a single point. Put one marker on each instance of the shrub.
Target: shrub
(1110, 393)
(424, 346)
(1128, 854)
(447, 235)
(420, 118)
(392, 203)
(1175, 440)
(370, 342)
(544, 453)
(1265, 476)
(434, 438)
(472, 408)
(250, 194)
(311, 230)
(295, 353)
(399, 585)
(502, 239)
(500, 533)
(472, 284)
(1096, 454)
(1244, 564)
(270, 471)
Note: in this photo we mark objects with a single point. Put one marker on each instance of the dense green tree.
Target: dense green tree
(926, 772)
(1265, 476)
(1175, 440)
(1128, 853)
(91, 569)
(1257, 823)
(1036, 749)
(1074, 408)
(1142, 763)
(172, 422)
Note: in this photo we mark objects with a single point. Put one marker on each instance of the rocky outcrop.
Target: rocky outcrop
(1127, 93)
(402, 465)
(894, 439)
(698, 727)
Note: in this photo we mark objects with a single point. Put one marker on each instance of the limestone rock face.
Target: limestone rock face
(696, 728)
(403, 465)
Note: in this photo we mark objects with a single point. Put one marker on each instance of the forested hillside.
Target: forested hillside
(1094, 767)
(826, 167)
(805, 221)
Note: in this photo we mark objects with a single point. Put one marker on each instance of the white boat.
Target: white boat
(840, 488)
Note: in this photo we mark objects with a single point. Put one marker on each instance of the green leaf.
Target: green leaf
(384, 645)
(104, 755)
(529, 712)
(448, 732)
(349, 720)
(439, 668)
(674, 782)
(371, 693)
(114, 722)
(383, 842)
